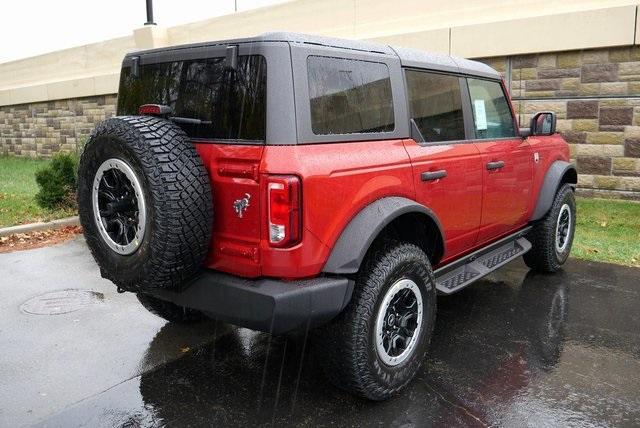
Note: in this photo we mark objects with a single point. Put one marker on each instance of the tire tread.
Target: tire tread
(542, 256)
(344, 340)
(181, 198)
(170, 311)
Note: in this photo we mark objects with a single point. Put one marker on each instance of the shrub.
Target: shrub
(57, 182)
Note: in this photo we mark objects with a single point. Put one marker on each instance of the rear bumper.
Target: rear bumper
(264, 304)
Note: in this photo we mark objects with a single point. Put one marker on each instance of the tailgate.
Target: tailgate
(234, 176)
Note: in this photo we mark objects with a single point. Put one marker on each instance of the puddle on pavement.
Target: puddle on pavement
(61, 302)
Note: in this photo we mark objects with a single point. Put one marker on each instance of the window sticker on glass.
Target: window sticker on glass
(481, 115)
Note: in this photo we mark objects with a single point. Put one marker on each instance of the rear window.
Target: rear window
(229, 105)
(349, 96)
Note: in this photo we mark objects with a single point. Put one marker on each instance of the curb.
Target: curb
(34, 227)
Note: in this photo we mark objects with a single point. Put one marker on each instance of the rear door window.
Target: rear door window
(435, 104)
(227, 104)
(349, 96)
(491, 113)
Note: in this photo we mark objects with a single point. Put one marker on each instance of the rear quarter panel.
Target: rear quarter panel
(338, 180)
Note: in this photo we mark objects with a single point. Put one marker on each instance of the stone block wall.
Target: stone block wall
(42, 129)
(596, 96)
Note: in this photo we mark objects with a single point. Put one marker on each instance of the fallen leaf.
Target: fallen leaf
(24, 241)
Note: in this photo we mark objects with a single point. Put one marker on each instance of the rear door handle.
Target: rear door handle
(433, 175)
(495, 165)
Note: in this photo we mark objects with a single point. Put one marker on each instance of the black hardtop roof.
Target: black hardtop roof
(408, 57)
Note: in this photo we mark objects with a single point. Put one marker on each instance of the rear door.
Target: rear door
(506, 160)
(447, 168)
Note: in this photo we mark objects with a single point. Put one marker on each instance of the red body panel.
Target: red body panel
(456, 199)
(338, 180)
(233, 173)
(506, 191)
(474, 206)
(548, 149)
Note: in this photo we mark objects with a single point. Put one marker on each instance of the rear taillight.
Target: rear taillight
(154, 110)
(283, 194)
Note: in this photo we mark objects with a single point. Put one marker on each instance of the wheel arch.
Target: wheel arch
(559, 173)
(393, 217)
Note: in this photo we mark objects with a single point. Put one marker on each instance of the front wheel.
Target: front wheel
(552, 237)
(377, 344)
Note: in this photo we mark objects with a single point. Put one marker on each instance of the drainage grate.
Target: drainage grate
(61, 302)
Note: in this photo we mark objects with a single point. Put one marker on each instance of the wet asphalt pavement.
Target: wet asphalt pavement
(516, 349)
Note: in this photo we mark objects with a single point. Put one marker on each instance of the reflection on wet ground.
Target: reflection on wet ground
(516, 349)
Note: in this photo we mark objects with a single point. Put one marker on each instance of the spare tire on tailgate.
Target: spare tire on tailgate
(144, 200)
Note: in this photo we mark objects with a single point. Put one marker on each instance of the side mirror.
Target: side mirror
(543, 123)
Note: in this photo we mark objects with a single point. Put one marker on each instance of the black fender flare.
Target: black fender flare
(356, 238)
(552, 179)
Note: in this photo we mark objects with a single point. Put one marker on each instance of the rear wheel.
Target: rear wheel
(377, 344)
(551, 238)
(170, 311)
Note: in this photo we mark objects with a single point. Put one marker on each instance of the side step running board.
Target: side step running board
(459, 274)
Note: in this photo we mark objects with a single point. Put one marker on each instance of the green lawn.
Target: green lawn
(608, 231)
(17, 190)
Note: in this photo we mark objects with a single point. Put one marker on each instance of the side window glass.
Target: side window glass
(491, 113)
(349, 96)
(435, 105)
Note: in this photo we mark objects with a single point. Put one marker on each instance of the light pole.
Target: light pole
(149, 13)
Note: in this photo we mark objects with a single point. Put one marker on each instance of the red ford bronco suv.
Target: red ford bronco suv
(287, 182)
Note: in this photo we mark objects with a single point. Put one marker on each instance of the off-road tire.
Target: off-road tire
(347, 344)
(177, 193)
(543, 256)
(170, 311)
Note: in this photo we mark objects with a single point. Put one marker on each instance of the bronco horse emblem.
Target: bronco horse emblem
(241, 205)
